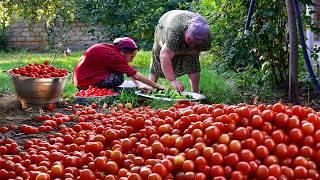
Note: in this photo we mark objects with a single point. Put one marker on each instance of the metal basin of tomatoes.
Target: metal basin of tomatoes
(31, 90)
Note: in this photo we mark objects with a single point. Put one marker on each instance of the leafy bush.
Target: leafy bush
(264, 53)
(3, 41)
(125, 18)
(265, 45)
(55, 15)
(5, 19)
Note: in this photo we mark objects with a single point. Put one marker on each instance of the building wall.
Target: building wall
(22, 35)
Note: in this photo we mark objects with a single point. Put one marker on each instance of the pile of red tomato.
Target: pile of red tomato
(40, 71)
(187, 141)
(94, 91)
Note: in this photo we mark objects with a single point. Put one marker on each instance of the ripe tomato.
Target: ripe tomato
(200, 176)
(298, 111)
(243, 167)
(217, 170)
(231, 159)
(292, 150)
(279, 107)
(234, 146)
(240, 133)
(236, 175)
(160, 169)
(100, 163)
(275, 170)
(307, 128)
(57, 170)
(271, 159)
(268, 115)
(262, 172)
(247, 155)
(296, 135)
(281, 151)
(188, 165)
(222, 149)
(192, 154)
(112, 167)
(200, 161)
(249, 143)
(216, 158)
(317, 136)
(212, 132)
(300, 172)
(244, 112)
(86, 174)
(278, 136)
(262, 151)
(154, 176)
(257, 121)
(51, 106)
(288, 172)
(208, 152)
(179, 160)
(43, 176)
(281, 119)
(145, 172)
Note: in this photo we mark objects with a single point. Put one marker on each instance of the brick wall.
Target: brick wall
(33, 37)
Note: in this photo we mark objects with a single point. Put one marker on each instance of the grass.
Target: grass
(216, 87)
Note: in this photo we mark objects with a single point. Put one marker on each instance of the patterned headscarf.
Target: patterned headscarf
(125, 44)
(198, 28)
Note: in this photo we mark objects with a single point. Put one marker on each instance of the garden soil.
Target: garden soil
(12, 113)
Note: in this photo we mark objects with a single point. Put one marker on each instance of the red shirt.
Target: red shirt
(98, 62)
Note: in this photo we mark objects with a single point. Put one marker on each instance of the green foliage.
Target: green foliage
(3, 41)
(260, 60)
(55, 15)
(5, 19)
(265, 45)
(125, 18)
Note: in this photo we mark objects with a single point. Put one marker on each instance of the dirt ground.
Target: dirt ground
(12, 113)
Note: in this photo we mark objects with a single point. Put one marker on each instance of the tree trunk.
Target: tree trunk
(293, 61)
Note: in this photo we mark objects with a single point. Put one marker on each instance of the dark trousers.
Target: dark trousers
(112, 81)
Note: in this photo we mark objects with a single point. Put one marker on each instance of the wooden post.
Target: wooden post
(293, 61)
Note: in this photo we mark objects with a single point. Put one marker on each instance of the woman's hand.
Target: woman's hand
(177, 85)
(162, 87)
(144, 88)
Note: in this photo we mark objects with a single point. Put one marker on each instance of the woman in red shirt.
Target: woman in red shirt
(104, 65)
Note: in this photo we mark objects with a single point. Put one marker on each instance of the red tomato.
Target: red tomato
(268, 115)
(262, 151)
(188, 165)
(262, 172)
(300, 172)
(212, 132)
(112, 167)
(43, 176)
(240, 133)
(160, 169)
(296, 135)
(217, 170)
(257, 121)
(57, 170)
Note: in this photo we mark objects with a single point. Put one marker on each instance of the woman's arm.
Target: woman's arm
(166, 56)
(140, 77)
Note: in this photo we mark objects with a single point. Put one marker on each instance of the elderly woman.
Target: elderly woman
(104, 65)
(179, 38)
